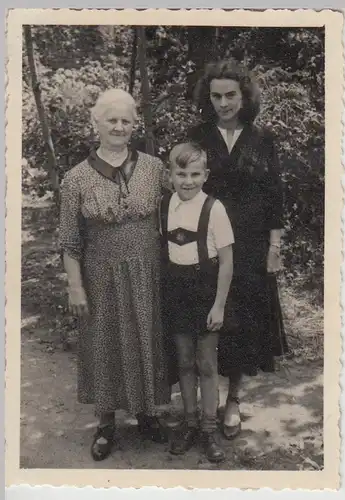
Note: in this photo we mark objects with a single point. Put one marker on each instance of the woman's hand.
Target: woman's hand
(77, 301)
(215, 318)
(273, 259)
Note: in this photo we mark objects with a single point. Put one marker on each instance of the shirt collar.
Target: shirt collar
(197, 198)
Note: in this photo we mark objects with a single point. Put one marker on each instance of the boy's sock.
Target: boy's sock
(191, 419)
(209, 424)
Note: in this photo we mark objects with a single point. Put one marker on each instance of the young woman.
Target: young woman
(244, 175)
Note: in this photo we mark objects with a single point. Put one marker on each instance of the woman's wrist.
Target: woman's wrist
(274, 249)
(75, 287)
(275, 238)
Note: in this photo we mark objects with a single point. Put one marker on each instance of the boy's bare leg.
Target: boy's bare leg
(187, 433)
(186, 354)
(208, 372)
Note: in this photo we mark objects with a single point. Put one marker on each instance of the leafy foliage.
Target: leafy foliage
(75, 63)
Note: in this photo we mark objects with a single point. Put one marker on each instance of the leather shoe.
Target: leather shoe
(102, 443)
(212, 449)
(183, 440)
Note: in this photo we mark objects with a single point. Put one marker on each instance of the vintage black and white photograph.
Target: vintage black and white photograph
(172, 247)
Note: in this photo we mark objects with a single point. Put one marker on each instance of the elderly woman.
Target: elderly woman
(244, 175)
(110, 245)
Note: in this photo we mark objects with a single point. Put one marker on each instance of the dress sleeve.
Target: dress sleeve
(275, 201)
(71, 220)
(165, 184)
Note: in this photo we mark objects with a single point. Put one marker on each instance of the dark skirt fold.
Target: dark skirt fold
(253, 333)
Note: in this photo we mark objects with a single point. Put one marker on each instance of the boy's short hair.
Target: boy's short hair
(185, 153)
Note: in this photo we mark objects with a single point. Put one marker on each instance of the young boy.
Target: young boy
(197, 245)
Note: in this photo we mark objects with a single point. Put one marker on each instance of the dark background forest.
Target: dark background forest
(75, 63)
(64, 70)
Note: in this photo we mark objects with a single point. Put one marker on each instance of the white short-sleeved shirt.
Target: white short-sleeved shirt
(186, 215)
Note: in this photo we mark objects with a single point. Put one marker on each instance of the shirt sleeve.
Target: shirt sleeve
(220, 226)
(71, 220)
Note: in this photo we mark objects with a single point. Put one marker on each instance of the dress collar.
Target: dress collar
(236, 135)
(112, 173)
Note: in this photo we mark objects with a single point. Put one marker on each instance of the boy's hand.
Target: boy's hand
(215, 318)
(77, 301)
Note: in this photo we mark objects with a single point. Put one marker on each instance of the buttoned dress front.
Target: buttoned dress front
(112, 230)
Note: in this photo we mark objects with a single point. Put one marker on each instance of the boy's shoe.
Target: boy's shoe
(212, 448)
(183, 439)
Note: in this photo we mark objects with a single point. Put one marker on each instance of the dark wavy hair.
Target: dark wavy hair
(229, 70)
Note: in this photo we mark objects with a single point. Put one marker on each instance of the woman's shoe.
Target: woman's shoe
(151, 428)
(212, 449)
(232, 427)
(102, 443)
(183, 439)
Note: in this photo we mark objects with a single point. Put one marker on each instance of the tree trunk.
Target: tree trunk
(145, 90)
(52, 164)
(133, 61)
(202, 48)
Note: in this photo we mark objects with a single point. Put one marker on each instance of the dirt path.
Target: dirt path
(282, 412)
(282, 426)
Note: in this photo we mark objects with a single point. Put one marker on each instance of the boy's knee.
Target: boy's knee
(186, 362)
(206, 367)
(186, 365)
(185, 354)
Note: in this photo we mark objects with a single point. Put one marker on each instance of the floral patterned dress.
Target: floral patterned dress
(108, 222)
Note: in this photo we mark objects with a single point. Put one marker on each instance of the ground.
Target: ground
(282, 412)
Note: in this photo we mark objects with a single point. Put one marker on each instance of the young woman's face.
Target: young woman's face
(226, 98)
(115, 126)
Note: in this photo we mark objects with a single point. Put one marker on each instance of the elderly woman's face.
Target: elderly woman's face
(115, 126)
(226, 98)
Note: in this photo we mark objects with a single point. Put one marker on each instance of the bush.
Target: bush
(292, 107)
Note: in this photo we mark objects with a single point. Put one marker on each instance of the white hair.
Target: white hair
(109, 99)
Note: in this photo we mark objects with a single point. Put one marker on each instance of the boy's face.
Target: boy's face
(188, 181)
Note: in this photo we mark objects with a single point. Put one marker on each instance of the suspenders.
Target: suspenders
(202, 230)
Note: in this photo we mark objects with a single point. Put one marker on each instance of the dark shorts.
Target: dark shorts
(189, 293)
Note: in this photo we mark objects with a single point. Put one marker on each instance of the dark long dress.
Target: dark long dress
(248, 183)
